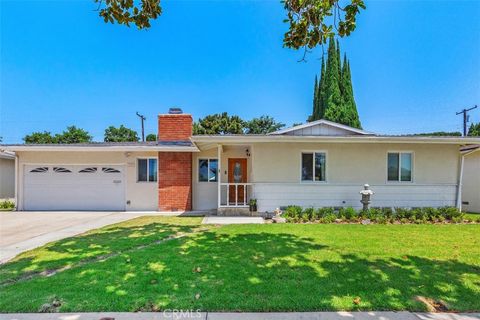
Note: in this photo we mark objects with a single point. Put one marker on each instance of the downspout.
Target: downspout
(16, 182)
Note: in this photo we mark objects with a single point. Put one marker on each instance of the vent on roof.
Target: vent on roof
(175, 110)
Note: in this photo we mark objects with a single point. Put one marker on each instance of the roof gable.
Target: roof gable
(321, 128)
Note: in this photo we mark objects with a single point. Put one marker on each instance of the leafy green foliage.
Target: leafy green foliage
(440, 134)
(39, 138)
(151, 137)
(128, 12)
(296, 214)
(7, 205)
(120, 134)
(219, 123)
(71, 135)
(333, 97)
(263, 125)
(312, 22)
(474, 130)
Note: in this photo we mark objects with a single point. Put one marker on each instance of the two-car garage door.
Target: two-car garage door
(74, 187)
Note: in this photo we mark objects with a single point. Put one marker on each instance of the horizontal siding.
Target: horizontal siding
(274, 195)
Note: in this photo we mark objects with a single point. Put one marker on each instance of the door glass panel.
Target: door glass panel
(212, 173)
(202, 170)
(237, 172)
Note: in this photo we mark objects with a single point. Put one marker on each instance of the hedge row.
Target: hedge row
(297, 214)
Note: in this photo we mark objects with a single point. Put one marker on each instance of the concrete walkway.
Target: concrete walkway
(22, 231)
(373, 315)
(232, 220)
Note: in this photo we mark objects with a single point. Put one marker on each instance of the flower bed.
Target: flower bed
(296, 214)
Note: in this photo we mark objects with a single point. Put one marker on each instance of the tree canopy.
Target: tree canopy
(120, 134)
(263, 125)
(71, 135)
(219, 123)
(310, 22)
(151, 137)
(333, 97)
(474, 130)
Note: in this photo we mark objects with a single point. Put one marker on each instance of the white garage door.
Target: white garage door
(74, 187)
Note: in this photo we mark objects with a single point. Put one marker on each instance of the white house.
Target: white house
(317, 164)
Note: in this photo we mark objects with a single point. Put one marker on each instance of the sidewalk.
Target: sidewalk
(371, 315)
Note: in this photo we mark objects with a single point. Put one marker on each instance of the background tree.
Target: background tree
(311, 22)
(220, 123)
(151, 137)
(73, 135)
(263, 125)
(440, 133)
(120, 134)
(39, 138)
(474, 130)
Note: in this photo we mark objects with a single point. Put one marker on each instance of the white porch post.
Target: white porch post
(219, 174)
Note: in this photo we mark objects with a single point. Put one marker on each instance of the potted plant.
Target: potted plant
(253, 205)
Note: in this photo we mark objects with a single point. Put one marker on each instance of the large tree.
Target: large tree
(220, 123)
(334, 108)
(351, 117)
(151, 137)
(71, 135)
(263, 125)
(120, 134)
(474, 130)
(311, 22)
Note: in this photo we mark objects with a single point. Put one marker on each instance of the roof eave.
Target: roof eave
(100, 149)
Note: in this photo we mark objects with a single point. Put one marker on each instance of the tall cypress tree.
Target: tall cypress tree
(333, 92)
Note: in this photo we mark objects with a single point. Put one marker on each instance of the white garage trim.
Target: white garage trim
(67, 188)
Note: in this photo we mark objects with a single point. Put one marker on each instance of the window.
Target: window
(61, 170)
(399, 166)
(39, 170)
(110, 170)
(313, 166)
(207, 170)
(88, 170)
(147, 170)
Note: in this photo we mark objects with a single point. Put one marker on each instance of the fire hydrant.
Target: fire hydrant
(366, 194)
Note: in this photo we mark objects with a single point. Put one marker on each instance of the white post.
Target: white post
(460, 182)
(219, 174)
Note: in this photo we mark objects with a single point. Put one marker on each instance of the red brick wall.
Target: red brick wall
(175, 181)
(174, 127)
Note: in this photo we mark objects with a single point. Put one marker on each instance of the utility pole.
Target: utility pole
(465, 118)
(142, 118)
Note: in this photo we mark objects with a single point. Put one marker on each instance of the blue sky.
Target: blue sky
(414, 64)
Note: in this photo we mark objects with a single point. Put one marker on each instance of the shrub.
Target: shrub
(348, 213)
(308, 215)
(293, 213)
(329, 217)
(7, 205)
(325, 211)
(387, 212)
(450, 213)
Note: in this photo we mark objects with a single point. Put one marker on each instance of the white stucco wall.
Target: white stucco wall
(7, 178)
(276, 174)
(471, 183)
(142, 195)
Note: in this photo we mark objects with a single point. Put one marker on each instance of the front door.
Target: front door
(237, 173)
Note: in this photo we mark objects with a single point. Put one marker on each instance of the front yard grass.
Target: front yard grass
(279, 267)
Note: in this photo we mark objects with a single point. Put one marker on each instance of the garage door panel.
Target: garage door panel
(83, 188)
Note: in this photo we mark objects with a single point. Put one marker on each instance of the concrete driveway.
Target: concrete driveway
(22, 231)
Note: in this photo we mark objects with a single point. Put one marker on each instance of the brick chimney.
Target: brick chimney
(174, 168)
(175, 125)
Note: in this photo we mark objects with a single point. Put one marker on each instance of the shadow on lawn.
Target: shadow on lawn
(102, 242)
(215, 271)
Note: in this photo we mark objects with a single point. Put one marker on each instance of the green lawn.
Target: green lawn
(301, 267)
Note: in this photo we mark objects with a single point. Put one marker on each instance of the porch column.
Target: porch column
(219, 175)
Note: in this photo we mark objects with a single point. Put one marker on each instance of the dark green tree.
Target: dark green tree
(333, 96)
(120, 134)
(474, 130)
(263, 125)
(316, 110)
(220, 123)
(39, 138)
(351, 117)
(73, 135)
(151, 137)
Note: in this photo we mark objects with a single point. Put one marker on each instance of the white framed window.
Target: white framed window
(314, 166)
(147, 170)
(400, 166)
(207, 170)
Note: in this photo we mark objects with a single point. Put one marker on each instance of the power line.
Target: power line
(142, 118)
(465, 118)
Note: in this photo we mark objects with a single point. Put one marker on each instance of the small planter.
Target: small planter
(253, 205)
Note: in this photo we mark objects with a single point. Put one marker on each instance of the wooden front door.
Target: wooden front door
(237, 173)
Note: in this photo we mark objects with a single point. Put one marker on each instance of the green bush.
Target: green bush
(7, 205)
(378, 215)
